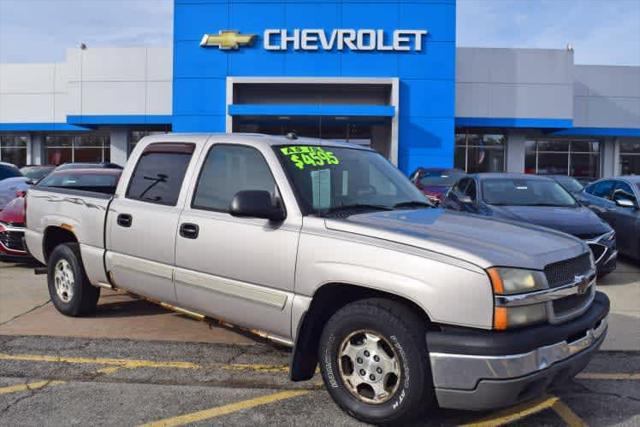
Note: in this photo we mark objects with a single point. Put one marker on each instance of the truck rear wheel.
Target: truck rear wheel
(374, 362)
(69, 288)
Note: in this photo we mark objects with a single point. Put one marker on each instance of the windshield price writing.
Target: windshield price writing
(304, 155)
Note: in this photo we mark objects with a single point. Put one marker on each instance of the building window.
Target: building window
(630, 157)
(136, 135)
(578, 158)
(85, 148)
(13, 149)
(476, 152)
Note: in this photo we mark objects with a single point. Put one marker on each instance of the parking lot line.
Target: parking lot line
(514, 414)
(138, 363)
(124, 363)
(614, 376)
(567, 414)
(225, 409)
(522, 411)
(28, 386)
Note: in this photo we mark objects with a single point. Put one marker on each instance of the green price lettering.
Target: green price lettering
(303, 155)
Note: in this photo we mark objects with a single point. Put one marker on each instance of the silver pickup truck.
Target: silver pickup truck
(327, 247)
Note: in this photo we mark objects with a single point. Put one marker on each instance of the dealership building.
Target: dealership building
(381, 73)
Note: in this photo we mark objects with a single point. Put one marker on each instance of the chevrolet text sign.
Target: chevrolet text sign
(341, 39)
(318, 39)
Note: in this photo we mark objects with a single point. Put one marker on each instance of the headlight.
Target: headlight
(510, 281)
(513, 317)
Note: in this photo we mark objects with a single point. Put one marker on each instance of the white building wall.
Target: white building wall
(514, 83)
(607, 96)
(94, 81)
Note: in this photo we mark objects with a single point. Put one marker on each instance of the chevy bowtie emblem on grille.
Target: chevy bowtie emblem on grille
(226, 40)
(583, 284)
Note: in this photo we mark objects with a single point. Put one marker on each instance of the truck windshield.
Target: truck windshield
(329, 179)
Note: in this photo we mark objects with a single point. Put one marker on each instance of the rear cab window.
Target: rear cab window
(159, 173)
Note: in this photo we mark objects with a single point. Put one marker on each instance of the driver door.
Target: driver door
(624, 218)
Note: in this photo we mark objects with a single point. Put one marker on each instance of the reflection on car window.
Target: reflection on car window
(227, 170)
(158, 177)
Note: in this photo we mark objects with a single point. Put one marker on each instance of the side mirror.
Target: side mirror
(255, 204)
(464, 199)
(625, 203)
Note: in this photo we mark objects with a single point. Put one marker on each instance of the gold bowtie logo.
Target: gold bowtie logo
(226, 39)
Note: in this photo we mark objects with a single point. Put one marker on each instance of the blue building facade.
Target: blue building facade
(346, 48)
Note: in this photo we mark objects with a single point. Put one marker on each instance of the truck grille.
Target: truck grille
(568, 305)
(563, 272)
(12, 240)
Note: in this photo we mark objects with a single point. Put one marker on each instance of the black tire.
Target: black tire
(405, 331)
(82, 297)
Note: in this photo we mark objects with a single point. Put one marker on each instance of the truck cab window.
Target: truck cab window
(158, 175)
(227, 170)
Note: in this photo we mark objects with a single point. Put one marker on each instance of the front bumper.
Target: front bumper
(479, 370)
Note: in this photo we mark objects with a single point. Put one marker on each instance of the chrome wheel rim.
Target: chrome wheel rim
(369, 367)
(64, 280)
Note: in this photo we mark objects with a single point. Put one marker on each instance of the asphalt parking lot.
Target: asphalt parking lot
(135, 363)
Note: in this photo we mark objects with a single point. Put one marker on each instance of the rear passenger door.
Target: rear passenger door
(142, 224)
(238, 269)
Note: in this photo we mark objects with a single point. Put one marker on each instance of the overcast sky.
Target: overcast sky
(601, 31)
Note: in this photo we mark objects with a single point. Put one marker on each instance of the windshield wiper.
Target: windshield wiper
(357, 206)
(413, 204)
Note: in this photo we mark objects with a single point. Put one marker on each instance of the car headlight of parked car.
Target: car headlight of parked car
(514, 281)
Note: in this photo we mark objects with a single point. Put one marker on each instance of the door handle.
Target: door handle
(125, 220)
(189, 230)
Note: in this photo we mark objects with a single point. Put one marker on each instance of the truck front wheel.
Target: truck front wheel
(69, 288)
(374, 362)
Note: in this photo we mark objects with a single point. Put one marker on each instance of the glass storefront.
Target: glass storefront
(13, 149)
(137, 135)
(577, 158)
(90, 147)
(475, 152)
(630, 157)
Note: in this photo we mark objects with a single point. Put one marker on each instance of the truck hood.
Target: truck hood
(576, 221)
(479, 240)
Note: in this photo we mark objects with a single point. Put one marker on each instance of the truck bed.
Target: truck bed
(83, 213)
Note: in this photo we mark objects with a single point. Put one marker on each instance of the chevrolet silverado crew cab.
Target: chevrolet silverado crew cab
(327, 247)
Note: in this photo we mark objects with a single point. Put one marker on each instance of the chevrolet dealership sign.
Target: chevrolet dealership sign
(317, 39)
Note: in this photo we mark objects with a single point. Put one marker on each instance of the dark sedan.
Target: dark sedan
(537, 200)
(435, 182)
(616, 200)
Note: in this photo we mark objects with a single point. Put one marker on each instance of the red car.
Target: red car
(435, 182)
(12, 217)
(12, 229)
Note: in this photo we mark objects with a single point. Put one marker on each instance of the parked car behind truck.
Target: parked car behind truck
(536, 200)
(327, 247)
(617, 201)
(12, 217)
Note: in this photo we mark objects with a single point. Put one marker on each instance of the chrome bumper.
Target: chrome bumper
(464, 372)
